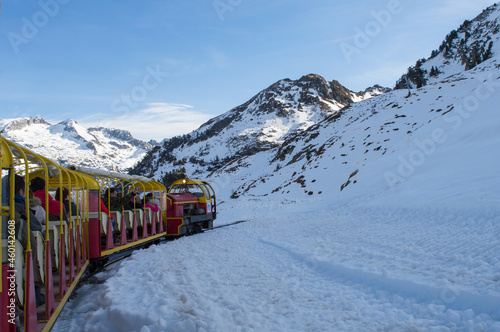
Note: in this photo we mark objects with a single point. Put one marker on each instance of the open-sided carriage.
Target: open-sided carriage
(49, 263)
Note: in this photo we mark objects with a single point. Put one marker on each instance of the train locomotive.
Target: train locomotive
(191, 207)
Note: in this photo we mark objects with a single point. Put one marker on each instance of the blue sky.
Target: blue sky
(162, 68)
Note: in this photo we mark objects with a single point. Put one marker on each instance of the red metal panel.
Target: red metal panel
(94, 229)
(30, 316)
(123, 235)
(153, 224)
(71, 257)
(135, 235)
(204, 207)
(173, 225)
(78, 251)
(49, 284)
(182, 198)
(63, 288)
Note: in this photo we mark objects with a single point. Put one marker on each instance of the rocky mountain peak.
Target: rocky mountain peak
(121, 135)
(376, 89)
(316, 82)
(262, 123)
(22, 123)
(68, 124)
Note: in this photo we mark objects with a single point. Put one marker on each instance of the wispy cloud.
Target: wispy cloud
(156, 121)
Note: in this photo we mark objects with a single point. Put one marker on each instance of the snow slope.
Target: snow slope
(308, 265)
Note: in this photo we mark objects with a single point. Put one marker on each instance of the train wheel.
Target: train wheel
(197, 228)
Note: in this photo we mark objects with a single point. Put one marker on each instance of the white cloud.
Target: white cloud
(156, 121)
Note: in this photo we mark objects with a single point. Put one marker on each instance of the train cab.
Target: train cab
(191, 207)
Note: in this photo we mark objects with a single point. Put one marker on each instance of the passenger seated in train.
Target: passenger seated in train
(65, 200)
(135, 202)
(38, 210)
(37, 185)
(150, 203)
(105, 210)
(117, 203)
(22, 233)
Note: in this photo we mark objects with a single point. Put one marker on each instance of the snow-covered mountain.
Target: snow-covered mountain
(310, 137)
(474, 42)
(262, 123)
(68, 142)
(442, 139)
(439, 144)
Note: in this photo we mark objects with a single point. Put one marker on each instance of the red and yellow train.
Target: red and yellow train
(45, 265)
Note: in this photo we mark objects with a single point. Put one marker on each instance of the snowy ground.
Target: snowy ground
(305, 265)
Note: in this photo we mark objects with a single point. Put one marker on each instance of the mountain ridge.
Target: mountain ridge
(67, 142)
(261, 123)
(378, 146)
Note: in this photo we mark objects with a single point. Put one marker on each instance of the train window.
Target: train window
(207, 191)
(187, 189)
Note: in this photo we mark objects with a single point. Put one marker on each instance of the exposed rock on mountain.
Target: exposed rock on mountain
(262, 123)
(463, 49)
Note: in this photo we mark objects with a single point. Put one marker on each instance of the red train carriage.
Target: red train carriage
(191, 207)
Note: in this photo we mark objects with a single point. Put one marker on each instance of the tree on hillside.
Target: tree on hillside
(434, 71)
(174, 175)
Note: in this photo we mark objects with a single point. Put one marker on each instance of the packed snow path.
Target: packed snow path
(297, 269)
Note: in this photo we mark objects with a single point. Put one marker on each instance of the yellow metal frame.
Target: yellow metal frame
(201, 184)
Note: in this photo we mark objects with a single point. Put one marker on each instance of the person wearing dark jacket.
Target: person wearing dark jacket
(117, 203)
(22, 232)
(66, 202)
